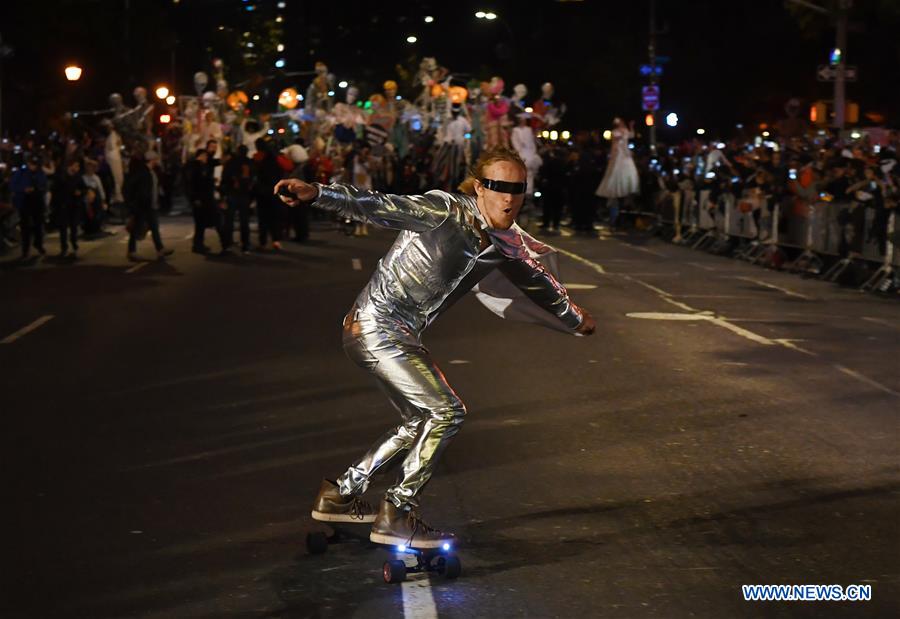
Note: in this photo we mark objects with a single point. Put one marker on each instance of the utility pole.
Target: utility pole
(839, 79)
(5, 52)
(840, 83)
(651, 51)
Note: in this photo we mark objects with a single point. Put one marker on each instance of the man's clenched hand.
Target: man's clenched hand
(587, 325)
(299, 191)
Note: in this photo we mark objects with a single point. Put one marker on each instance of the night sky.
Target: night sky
(730, 62)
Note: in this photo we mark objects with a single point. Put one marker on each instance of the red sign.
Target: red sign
(650, 95)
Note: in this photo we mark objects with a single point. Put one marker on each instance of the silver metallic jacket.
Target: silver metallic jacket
(436, 259)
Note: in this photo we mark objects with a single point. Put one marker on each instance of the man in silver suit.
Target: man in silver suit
(449, 243)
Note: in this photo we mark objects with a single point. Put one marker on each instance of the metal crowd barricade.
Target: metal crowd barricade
(820, 229)
(884, 276)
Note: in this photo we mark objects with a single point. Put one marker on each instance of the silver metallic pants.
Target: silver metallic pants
(430, 410)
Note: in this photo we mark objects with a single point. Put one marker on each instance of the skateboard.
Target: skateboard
(442, 561)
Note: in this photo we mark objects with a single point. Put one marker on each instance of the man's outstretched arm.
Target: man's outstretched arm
(416, 213)
(539, 285)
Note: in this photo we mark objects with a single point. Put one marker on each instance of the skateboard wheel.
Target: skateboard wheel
(316, 543)
(449, 566)
(394, 571)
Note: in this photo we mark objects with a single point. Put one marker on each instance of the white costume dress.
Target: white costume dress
(113, 154)
(523, 141)
(621, 177)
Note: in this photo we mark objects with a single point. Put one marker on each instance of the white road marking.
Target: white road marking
(579, 286)
(357, 264)
(459, 361)
(774, 287)
(658, 291)
(866, 379)
(418, 601)
(584, 261)
(679, 304)
(881, 321)
(666, 316)
(750, 335)
(645, 250)
(137, 267)
(701, 266)
(698, 315)
(26, 330)
(712, 296)
(790, 344)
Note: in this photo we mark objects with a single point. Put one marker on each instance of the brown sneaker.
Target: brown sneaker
(404, 528)
(331, 506)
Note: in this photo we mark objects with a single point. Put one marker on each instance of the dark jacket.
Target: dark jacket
(268, 173)
(138, 189)
(201, 184)
(24, 178)
(237, 177)
(71, 190)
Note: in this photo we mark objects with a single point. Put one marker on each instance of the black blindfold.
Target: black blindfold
(503, 186)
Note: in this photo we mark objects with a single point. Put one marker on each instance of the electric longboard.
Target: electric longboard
(442, 561)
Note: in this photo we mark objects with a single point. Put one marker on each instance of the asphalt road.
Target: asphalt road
(166, 429)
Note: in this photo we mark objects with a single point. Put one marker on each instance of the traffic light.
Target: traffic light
(648, 120)
(835, 58)
(165, 119)
(818, 113)
(851, 113)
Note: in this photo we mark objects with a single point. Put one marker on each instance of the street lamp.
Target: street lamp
(503, 51)
(162, 92)
(429, 19)
(170, 100)
(411, 39)
(343, 84)
(73, 73)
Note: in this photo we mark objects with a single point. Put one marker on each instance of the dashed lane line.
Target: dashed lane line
(881, 321)
(790, 293)
(645, 250)
(695, 314)
(866, 379)
(702, 266)
(26, 330)
(137, 267)
(418, 600)
(584, 261)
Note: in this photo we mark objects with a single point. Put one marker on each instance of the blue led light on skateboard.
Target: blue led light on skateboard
(446, 546)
